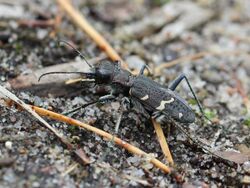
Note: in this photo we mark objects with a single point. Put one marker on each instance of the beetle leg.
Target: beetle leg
(138, 108)
(124, 106)
(160, 118)
(118, 63)
(125, 103)
(143, 68)
(79, 108)
(102, 100)
(106, 98)
(177, 81)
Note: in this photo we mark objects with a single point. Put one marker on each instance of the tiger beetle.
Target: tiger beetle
(147, 96)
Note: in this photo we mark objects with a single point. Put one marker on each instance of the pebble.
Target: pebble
(138, 173)
(246, 166)
(212, 76)
(42, 33)
(41, 134)
(135, 62)
(12, 119)
(169, 54)
(134, 160)
(9, 176)
(8, 145)
(36, 184)
(246, 180)
(37, 101)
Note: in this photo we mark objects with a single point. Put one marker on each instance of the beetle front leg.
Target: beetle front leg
(143, 69)
(106, 98)
(138, 108)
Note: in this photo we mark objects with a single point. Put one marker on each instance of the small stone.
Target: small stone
(8, 144)
(148, 166)
(246, 166)
(169, 54)
(41, 134)
(138, 173)
(246, 180)
(37, 101)
(135, 62)
(36, 184)
(212, 77)
(2, 78)
(42, 33)
(115, 106)
(9, 176)
(12, 119)
(134, 160)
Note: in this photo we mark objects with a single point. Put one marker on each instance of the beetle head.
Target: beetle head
(104, 72)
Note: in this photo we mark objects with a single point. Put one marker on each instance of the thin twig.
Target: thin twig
(102, 133)
(7, 161)
(70, 169)
(163, 143)
(37, 23)
(80, 21)
(194, 57)
(57, 22)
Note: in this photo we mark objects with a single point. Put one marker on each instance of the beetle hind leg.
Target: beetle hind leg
(160, 118)
(177, 81)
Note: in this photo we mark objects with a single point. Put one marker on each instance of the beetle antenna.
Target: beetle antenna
(78, 52)
(88, 75)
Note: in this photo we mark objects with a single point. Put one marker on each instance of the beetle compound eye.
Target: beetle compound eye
(103, 75)
(104, 72)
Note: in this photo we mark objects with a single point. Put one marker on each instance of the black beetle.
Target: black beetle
(147, 96)
(151, 98)
(144, 93)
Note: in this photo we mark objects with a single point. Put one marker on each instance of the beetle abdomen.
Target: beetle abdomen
(157, 98)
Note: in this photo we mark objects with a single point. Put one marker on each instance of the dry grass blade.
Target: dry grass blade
(37, 23)
(100, 132)
(162, 141)
(5, 94)
(70, 169)
(86, 27)
(138, 180)
(194, 57)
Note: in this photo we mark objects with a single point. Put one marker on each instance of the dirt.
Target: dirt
(31, 156)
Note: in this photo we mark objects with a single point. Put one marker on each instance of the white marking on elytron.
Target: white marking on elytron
(180, 115)
(162, 105)
(145, 98)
